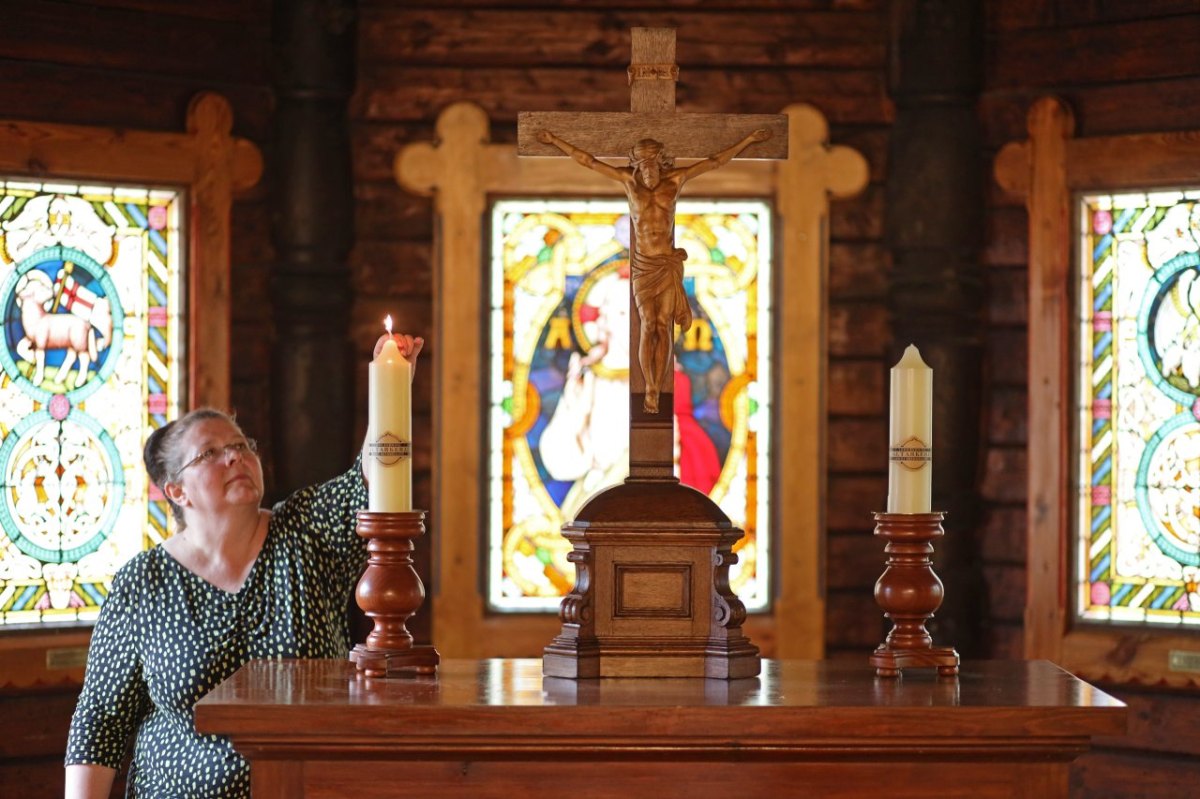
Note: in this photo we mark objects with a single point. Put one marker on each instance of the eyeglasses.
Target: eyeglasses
(241, 449)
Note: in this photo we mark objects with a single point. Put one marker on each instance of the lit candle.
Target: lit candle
(389, 430)
(910, 466)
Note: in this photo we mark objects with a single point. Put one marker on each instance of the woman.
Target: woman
(236, 582)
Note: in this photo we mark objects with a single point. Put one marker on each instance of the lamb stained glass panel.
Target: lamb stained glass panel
(559, 371)
(90, 292)
(1138, 458)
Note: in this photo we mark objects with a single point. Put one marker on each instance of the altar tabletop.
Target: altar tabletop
(496, 727)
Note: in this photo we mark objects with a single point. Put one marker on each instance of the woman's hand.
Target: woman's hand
(410, 346)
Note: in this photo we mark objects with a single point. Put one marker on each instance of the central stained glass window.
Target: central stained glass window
(559, 360)
(1138, 459)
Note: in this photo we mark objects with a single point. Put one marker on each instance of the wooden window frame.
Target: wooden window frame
(1050, 170)
(462, 171)
(209, 166)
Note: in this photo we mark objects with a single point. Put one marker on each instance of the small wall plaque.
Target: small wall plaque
(1183, 660)
(69, 657)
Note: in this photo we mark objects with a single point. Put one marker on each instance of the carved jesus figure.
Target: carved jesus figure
(652, 184)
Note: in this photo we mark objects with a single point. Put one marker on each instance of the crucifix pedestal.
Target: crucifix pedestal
(652, 557)
(651, 596)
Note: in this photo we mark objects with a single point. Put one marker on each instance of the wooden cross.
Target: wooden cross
(652, 77)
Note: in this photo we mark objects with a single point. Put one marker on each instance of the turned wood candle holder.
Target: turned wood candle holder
(909, 593)
(389, 592)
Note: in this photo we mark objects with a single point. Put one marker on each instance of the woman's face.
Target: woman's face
(232, 478)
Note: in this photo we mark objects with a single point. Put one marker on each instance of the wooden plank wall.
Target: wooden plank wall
(1124, 67)
(755, 56)
(136, 64)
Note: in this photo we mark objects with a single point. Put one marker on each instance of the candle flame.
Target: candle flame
(387, 323)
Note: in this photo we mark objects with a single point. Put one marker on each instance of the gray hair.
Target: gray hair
(163, 454)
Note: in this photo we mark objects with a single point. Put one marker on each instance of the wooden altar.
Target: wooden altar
(498, 728)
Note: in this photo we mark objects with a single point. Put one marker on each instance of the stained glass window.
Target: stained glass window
(1138, 459)
(559, 370)
(90, 297)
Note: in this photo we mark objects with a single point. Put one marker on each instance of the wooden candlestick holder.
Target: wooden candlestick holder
(389, 592)
(909, 593)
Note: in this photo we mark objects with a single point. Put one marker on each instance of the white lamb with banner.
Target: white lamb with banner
(46, 329)
(84, 303)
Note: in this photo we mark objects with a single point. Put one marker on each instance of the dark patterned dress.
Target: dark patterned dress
(165, 638)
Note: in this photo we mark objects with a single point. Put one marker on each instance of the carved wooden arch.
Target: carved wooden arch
(207, 161)
(1047, 170)
(460, 170)
(210, 166)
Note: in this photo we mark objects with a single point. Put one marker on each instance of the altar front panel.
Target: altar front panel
(711, 779)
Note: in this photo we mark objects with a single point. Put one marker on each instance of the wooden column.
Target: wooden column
(934, 230)
(312, 382)
(652, 76)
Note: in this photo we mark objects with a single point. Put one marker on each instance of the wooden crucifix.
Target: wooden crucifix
(650, 136)
(652, 557)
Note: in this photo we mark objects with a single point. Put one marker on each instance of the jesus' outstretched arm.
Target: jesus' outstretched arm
(726, 155)
(583, 157)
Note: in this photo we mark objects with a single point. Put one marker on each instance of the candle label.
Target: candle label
(913, 454)
(388, 450)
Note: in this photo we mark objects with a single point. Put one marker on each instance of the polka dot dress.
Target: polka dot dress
(165, 638)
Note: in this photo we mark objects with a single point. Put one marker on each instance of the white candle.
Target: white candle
(389, 431)
(910, 462)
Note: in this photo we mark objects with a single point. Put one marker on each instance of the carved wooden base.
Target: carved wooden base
(909, 593)
(380, 663)
(636, 659)
(888, 662)
(389, 592)
(651, 598)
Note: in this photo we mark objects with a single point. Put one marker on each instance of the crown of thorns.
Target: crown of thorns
(650, 150)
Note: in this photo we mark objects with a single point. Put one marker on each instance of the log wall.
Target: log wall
(137, 64)
(1122, 68)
